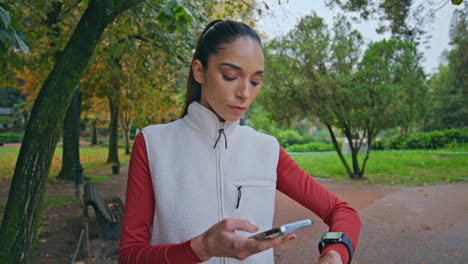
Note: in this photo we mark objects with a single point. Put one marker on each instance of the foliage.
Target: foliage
(260, 119)
(317, 74)
(310, 147)
(392, 168)
(9, 31)
(6, 120)
(12, 42)
(392, 83)
(290, 137)
(11, 137)
(406, 20)
(9, 97)
(427, 140)
(449, 86)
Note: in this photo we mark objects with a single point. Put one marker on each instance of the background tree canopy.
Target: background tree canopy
(320, 73)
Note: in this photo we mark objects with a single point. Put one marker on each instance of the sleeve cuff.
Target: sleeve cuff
(340, 248)
(190, 253)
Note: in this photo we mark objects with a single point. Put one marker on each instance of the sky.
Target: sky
(280, 19)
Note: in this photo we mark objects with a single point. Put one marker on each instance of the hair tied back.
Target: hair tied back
(209, 27)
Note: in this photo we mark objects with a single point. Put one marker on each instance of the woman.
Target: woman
(199, 186)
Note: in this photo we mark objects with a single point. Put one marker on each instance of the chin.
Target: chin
(232, 118)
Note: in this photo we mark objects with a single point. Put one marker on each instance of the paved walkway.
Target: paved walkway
(427, 224)
(422, 225)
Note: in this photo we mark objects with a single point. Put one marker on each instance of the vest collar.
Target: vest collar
(206, 122)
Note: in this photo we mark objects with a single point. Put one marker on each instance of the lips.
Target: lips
(238, 109)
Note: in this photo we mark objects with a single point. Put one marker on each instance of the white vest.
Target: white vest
(196, 184)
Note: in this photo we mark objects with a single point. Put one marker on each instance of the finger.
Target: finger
(240, 224)
(287, 238)
(262, 245)
(271, 243)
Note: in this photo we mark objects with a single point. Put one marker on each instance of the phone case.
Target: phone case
(282, 230)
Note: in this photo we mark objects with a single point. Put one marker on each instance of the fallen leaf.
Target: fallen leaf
(426, 228)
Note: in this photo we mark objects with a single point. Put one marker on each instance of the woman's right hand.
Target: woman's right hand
(222, 241)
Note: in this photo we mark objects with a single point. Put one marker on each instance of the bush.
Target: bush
(428, 140)
(310, 147)
(11, 137)
(290, 137)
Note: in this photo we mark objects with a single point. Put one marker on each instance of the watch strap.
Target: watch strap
(342, 240)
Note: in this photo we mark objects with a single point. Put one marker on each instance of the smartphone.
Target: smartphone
(282, 230)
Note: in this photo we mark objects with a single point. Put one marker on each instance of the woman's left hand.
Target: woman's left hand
(331, 257)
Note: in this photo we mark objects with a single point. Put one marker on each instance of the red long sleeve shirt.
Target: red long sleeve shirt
(291, 180)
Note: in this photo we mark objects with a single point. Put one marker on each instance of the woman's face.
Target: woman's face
(233, 78)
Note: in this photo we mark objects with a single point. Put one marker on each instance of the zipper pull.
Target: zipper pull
(239, 195)
(221, 131)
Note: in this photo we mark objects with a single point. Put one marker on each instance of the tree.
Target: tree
(47, 23)
(149, 67)
(404, 19)
(318, 74)
(23, 209)
(449, 85)
(19, 227)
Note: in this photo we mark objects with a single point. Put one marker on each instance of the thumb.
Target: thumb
(243, 225)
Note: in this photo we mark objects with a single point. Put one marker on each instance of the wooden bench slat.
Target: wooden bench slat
(108, 212)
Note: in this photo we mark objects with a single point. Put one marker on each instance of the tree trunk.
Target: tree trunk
(68, 153)
(93, 133)
(127, 140)
(113, 155)
(357, 174)
(338, 150)
(23, 210)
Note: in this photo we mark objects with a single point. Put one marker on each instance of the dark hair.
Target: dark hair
(215, 35)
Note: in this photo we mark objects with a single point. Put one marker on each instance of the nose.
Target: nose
(243, 90)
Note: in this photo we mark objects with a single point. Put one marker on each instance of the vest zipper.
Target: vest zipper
(220, 181)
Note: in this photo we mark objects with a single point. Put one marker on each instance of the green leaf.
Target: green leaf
(175, 16)
(5, 17)
(19, 42)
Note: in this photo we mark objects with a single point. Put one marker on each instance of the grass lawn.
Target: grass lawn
(93, 160)
(389, 168)
(392, 168)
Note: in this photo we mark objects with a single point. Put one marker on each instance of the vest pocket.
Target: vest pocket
(254, 200)
(251, 189)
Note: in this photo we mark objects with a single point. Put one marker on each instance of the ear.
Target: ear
(198, 71)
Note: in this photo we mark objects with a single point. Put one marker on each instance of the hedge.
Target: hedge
(427, 140)
(310, 147)
(11, 137)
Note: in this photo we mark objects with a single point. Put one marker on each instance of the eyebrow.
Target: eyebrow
(239, 68)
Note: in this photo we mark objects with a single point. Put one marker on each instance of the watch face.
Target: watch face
(332, 235)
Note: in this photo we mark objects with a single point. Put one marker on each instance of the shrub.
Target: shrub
(310, 147)
(289, 137)
(428, 140)
(11, 137)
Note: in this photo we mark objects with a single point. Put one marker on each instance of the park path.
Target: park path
(420, 224)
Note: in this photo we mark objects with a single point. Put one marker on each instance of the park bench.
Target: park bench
(108, 212)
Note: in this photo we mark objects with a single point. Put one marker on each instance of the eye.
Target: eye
(229, 79)
(255, 83)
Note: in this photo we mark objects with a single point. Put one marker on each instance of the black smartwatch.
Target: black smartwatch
(336, 238)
